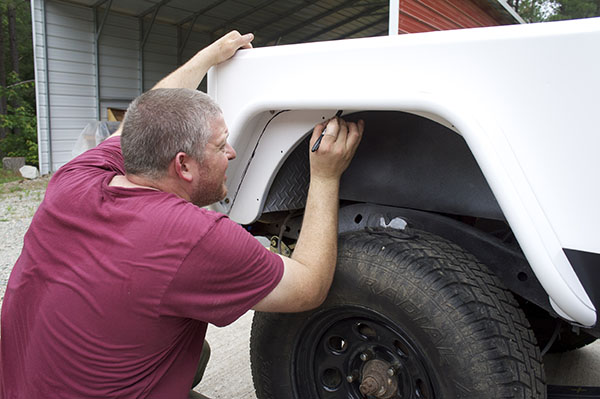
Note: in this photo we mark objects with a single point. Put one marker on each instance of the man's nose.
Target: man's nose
(230, 152)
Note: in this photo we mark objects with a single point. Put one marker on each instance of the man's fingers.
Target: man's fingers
(335, 127)
(318, 129)
(355, 135)
(246, 40)
(343, 130)
(230, 43)
(241, 41)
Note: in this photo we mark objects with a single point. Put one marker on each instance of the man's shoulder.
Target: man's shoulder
(107, 156)
(178, 216)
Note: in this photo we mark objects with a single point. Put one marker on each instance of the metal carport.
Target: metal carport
(91, 55)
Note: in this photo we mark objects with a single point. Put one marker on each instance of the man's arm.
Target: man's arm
(308, 274)
(190, 74)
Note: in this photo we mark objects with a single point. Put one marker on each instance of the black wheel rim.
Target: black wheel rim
(335, 345)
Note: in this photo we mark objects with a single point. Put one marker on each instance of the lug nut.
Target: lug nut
(364, 356)
(353, 376)
(391, 372)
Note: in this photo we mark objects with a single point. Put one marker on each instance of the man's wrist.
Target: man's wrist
(325, 180)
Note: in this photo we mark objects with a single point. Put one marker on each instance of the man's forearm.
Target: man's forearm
(317, 245)
(190, 74)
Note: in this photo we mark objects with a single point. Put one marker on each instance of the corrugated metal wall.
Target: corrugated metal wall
(433, 15)
(70, 51)
(67, 46)
(119, 67)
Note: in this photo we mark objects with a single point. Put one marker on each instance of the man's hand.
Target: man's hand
(338, 145)
(224, 48)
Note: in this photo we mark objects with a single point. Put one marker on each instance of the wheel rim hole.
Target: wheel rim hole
(358, 218)
(421, 390)
(401, 348)
(366, 331)
(337, 344)
(332, 379)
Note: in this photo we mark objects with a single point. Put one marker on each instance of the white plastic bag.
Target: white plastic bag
(93, 134)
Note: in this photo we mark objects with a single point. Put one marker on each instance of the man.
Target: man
(121, 269)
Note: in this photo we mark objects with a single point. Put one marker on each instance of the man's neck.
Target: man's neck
(132, 181)
(135, 181)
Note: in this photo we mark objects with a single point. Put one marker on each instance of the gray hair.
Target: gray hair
(162, 122)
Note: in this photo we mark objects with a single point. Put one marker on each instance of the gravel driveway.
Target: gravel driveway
(228, 373)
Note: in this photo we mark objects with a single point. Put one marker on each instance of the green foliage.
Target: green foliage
(573, 9)
(8, 176)
(554, 10)
(18, 132)
(537, 10)
(19, 122)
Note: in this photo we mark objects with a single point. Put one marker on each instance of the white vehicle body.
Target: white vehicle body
(524, 98)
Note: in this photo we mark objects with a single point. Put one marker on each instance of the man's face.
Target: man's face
(210, 187)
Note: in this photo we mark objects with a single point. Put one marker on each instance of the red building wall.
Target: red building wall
(431, 15)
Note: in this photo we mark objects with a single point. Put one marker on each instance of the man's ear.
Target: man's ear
(182, 166)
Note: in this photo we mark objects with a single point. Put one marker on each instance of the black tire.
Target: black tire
(417, 304)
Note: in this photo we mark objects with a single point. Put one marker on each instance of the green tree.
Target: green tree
(536, 10)
(573, 9)
(554, 10)
(17, 93)
(19, 121)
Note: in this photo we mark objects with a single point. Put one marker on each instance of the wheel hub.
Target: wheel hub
(378, 380)
(356, 354)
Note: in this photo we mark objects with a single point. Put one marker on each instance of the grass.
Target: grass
(14, 183)
(8, 176)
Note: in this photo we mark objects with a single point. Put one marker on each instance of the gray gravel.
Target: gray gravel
(18, 203)
(228, 373)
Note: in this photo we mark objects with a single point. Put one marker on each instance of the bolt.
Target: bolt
(369, 386)
(364, 356)
(353, 376)
(391, 372)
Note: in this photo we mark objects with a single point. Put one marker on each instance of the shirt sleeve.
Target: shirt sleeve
(106, 156)
(223, 276)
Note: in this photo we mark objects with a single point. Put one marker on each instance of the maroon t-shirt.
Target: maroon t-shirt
(113, 291)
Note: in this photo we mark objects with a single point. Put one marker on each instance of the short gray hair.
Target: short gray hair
(162, 122)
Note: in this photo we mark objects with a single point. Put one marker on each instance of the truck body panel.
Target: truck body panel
(524, 98)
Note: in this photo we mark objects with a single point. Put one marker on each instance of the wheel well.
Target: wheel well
(404, 160)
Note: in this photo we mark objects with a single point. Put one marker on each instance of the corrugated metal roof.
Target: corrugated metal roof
(272, 21)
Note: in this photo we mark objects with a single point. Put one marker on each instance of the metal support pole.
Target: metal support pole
(144, 38)
(97, 33)
(394, 17)
(48, 120)
(141, 55)
(181, 46)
